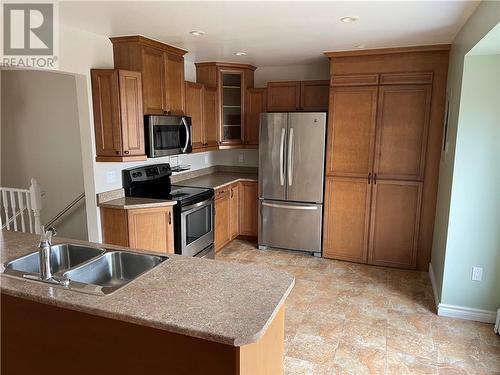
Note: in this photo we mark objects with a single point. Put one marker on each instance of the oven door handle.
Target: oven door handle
(196, 205)
(186, 127)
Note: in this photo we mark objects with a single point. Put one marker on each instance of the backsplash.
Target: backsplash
(108, 175)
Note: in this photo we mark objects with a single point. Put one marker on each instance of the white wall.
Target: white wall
(41, 139)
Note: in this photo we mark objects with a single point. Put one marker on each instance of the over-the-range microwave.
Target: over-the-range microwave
(167, 135)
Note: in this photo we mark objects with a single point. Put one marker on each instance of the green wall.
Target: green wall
(474, 222)
(486, 16)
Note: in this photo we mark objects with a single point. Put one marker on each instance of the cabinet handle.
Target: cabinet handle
(117, 152)
(126, 152)
(369, 178)
(232, 193)
(375, 179)
(169, 218)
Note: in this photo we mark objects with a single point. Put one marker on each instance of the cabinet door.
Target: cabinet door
(132, 118)
(210, 116)
(106, 103)
(255, 105)
(235, 210)
(402, 125)
(248, 208)
(346, 219)
(222, 218)
(151, 229)
(153, 81)
(394, 225)
(283, 96)
(314, 95)
(232, 105)
(194, 109)
(174, 84)
(351, 133)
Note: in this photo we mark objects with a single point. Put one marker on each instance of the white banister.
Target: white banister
(20, 205)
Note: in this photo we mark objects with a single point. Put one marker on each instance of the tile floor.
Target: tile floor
(346, 318)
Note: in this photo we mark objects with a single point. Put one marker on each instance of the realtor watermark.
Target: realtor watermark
(30, 35)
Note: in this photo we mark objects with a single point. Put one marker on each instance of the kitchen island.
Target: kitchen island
(185, 316)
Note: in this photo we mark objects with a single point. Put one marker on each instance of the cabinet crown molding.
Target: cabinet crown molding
(148, 42)
(388, 51)
(225, 65)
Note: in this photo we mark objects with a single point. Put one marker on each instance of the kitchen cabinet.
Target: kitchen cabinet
(249, 210)
(141, 228)
(383, 151)
(234, 206)
(194, 109)
(118, 119)
(162, 68)
(256, 103)
(291, 96)
(222, 218)
(231, 82)
(201, 106)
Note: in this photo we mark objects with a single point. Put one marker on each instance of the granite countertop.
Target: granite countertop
(218, 179)
(128, 203)
(228, 303)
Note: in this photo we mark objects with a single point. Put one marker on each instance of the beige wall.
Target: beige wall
(486, 16)
(320, 70)
(41, 139)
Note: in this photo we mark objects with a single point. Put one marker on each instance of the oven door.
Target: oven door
(168, 135)
(197, 227)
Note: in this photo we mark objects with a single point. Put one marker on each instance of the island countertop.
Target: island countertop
(229, 303)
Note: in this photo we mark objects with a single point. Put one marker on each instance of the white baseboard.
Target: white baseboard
(460, 312)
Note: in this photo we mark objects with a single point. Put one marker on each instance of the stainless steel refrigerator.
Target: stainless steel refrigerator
(291, 174)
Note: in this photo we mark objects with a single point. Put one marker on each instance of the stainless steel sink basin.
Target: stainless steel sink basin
(62, 258)
(113, 270)
(89, 269)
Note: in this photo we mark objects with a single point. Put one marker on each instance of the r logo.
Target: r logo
(28, 29)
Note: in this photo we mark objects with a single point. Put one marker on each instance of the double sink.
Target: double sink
(86, 269)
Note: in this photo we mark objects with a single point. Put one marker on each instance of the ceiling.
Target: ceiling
(272, 33)
(489, 45)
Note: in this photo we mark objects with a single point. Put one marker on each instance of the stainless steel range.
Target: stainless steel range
(193, 213)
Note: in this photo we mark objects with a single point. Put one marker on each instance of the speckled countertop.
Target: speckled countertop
(227, 303)
(217, 180)
(128, 203)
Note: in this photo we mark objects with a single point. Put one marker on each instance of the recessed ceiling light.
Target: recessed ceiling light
(240, 53)
(349, 19)
(197, 32)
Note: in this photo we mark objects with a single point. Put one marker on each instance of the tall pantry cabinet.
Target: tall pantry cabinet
(384, 141)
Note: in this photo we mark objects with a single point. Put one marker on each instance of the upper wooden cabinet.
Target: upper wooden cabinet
(294, 96)
(201, 106)
(118, 118)
(231, 82)
(162, 68)
(256, 103)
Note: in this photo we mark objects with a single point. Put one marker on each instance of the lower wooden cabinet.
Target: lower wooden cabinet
(222, 218)
(143, 229)
(236, 212)
(249, 208)
(234, 206)
(374, 223)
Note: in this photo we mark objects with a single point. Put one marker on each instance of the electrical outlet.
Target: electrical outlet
(477, 273)
(111, 177)
(240, 158)
(205, 159)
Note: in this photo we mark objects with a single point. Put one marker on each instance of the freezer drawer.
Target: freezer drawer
(290, 225)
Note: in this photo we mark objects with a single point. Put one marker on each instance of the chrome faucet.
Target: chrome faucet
(44, 252)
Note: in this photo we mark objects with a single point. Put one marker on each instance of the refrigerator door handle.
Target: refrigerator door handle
(282, 157)
(290, 159)
(289, 206)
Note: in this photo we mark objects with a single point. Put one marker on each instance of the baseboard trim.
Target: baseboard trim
(467, 313)
(460, 312)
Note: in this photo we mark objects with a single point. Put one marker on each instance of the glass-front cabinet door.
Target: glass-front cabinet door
(232, 107)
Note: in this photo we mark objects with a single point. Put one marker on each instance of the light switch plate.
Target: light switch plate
(477, 273)
(240, 158)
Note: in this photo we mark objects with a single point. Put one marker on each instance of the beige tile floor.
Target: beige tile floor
(346, 318)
